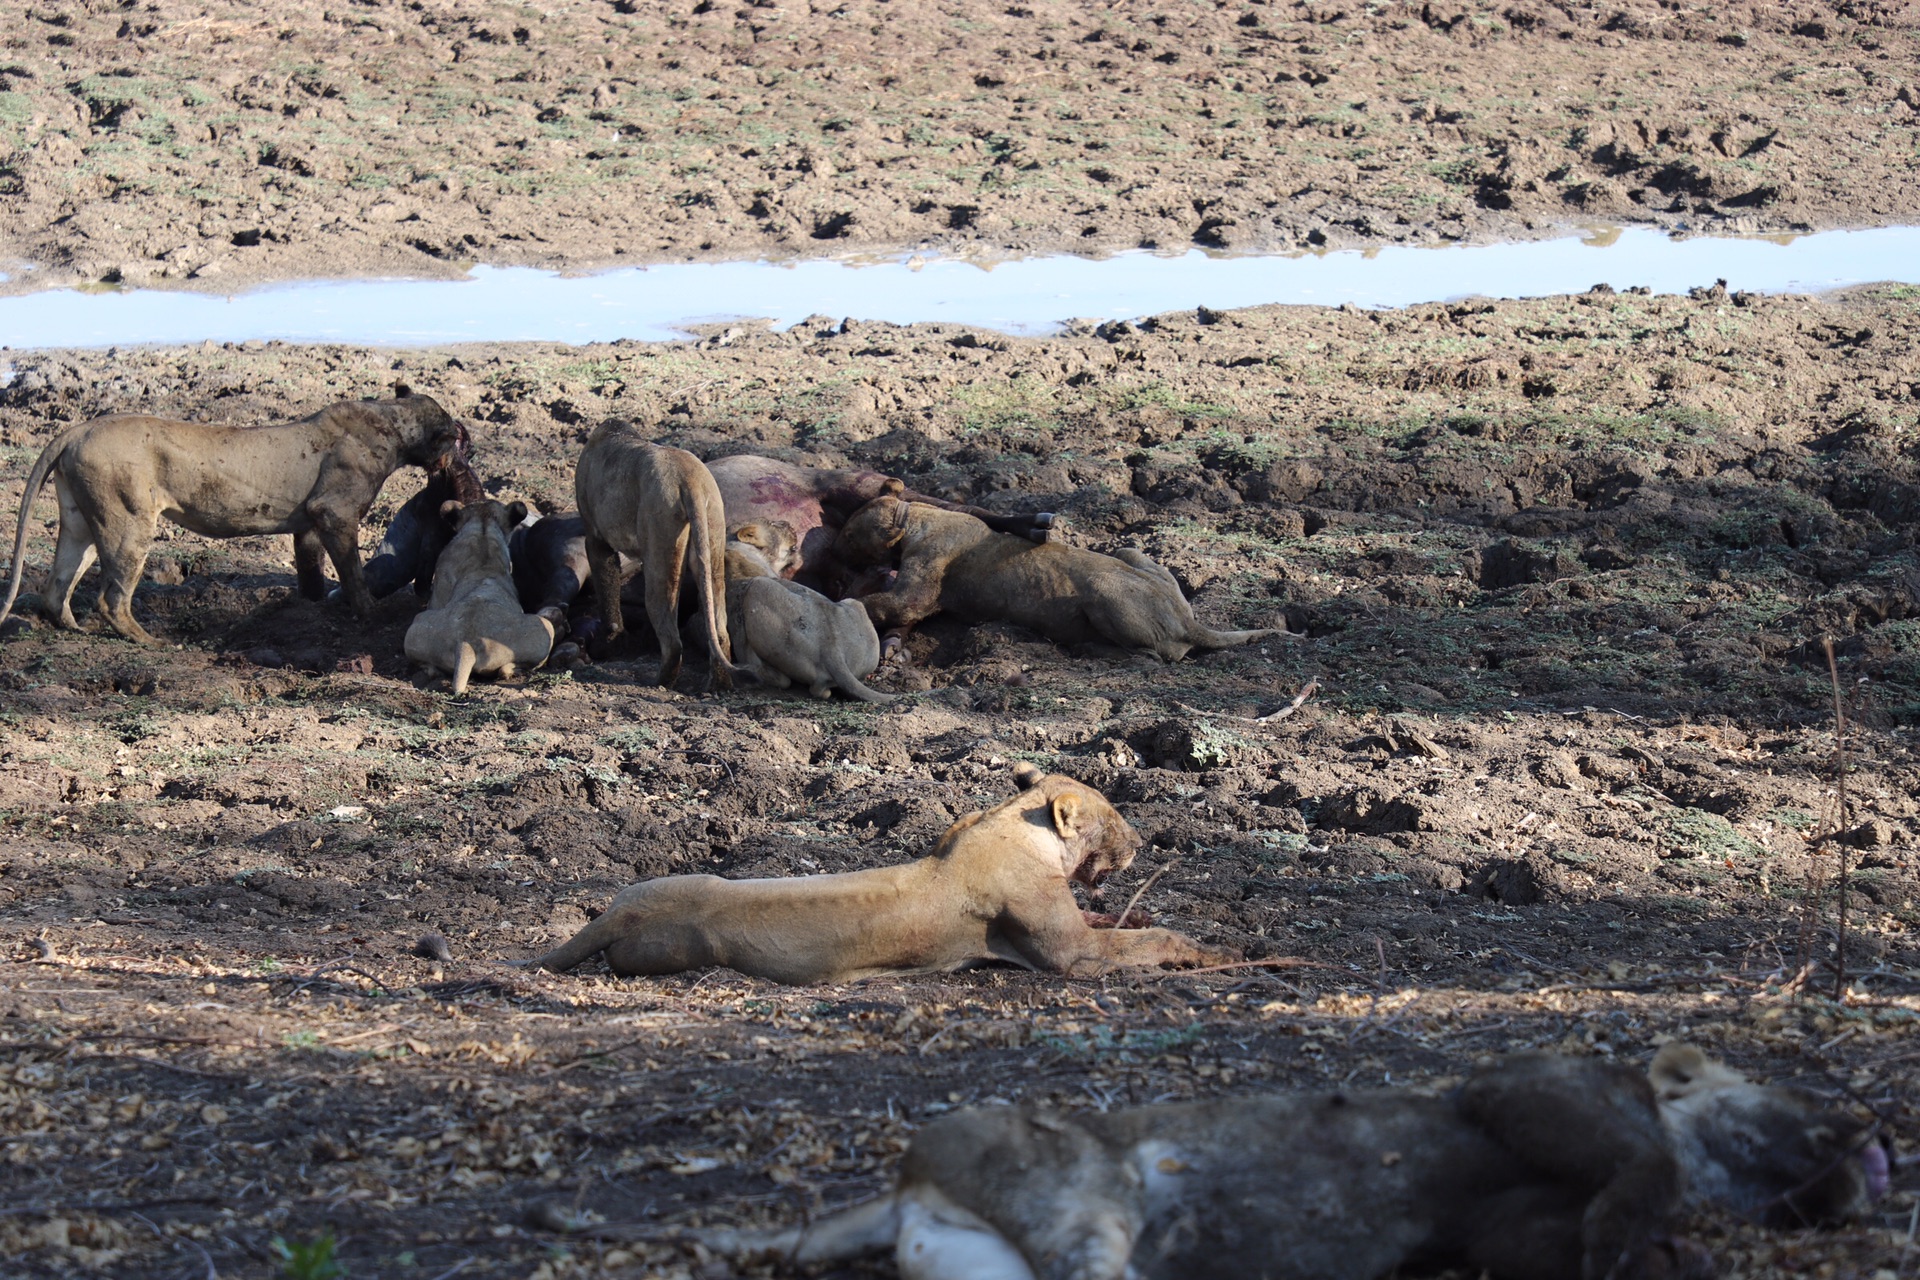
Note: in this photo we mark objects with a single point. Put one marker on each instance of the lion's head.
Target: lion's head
(775, 540)
(479, 543)
(1099, 841)
(872, 535)
(1778, 1155)
(430, 436)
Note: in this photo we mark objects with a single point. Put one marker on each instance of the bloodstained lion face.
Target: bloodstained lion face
(1109, 842)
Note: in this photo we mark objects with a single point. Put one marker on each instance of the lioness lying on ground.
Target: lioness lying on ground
(1540, 1167)
(473, 623)
(785, 633)
(658, 505)
(996, 887)
(952, 562)
(315, 478)
(815, 501)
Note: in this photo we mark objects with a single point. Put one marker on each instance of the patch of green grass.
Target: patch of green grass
(633, 739)
(1680, 905)
(1708, 835)
(308, 1259)
(1103, 1039)
(1160, 395)
(1021, 404)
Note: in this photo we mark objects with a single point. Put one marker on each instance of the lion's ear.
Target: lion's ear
(1680, 1069)
(752, 534)
(515, 514)
(451, 508)
(1027, 775)
(401, 391)
(893, 487)
(1066, 815)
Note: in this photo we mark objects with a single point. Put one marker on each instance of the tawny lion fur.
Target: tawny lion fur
(951, 561)
(660, 506)
(473, 623)
(785, 633)
(996, 887)
(117, 476)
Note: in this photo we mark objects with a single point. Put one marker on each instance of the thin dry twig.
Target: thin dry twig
(1840, 820)
(937, 1036)
(1307, 690)
(1139, 893)
(1278, 962)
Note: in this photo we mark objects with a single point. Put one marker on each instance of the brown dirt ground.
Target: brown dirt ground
(1561, 568)
(220, 142)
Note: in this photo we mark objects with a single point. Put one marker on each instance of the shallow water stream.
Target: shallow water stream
(1027, 296)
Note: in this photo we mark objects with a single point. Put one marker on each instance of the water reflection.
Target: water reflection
(1025, 296)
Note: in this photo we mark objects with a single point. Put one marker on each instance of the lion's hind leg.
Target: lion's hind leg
(839, 1237)
(1034, 1183)
(665, 561)
(72, 557)
(940, 1241)
(123, 559)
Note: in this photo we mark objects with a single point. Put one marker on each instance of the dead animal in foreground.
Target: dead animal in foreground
(786, 634)
(473, 623)
(952, 562)
(315, 478)
(660, 506)
(996, 887)
(1540, 1167)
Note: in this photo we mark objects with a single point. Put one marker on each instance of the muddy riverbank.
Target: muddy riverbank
(209, 145)
(1561, 569)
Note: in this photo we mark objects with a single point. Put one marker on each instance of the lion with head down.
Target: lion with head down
(998, 886)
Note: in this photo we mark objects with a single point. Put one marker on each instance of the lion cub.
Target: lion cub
(785, 633)
(473, 623)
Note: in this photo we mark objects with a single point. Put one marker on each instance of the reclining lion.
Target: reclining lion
(315, 478)
(658, 505)
(950, 561)
(1540, 1167)
(816, 501)
(473, 623)
(996, 887)
(785, 633)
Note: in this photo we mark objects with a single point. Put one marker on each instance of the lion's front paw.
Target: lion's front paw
(1209, 955)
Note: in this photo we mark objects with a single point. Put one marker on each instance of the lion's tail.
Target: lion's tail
(852, 684)
(463, 666)
(1206, 638)
(596, 937)
(708, 546)
(36, 479)
(841, 1237)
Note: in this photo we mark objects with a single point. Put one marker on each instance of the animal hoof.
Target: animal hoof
(565, 655)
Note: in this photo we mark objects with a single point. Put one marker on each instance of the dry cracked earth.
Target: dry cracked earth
(211, 143)
(1562, 575)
